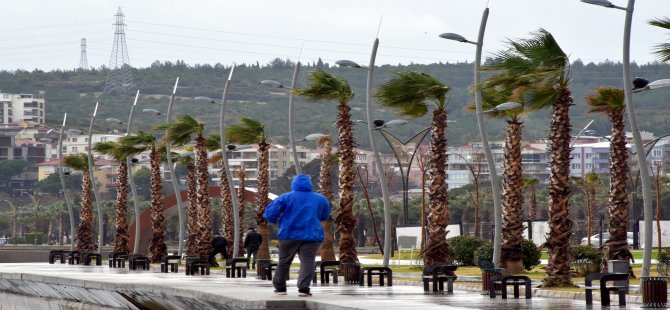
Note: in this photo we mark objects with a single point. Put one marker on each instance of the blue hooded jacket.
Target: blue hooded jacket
(299, 212)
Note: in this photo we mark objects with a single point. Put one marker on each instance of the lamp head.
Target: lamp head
(203, 98)
(378, 122)
(272, 83)
(113, 120)
(604, 3)
(347, 63)
(73, 131)
(134, 160)
(152, 111)
(46, 140)
(454, 37)
(640, 83)
(231, 147)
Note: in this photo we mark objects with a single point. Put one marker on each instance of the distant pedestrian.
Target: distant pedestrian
(219, 245)
(252, 242)
(299, 214)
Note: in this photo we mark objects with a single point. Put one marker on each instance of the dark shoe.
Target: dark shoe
(280, 293)
(304, 293)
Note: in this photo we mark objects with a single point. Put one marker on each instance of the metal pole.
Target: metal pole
(133, 189)
(92, 172)
(495, 184)
(294, 81)
(226, 167)
(639, 146)
(175, 185)
(62, 182)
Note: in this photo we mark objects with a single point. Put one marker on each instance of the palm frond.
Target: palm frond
(325, 86)
(410, 93)
(605, 100)
(247, 131)
(77, 162)
(213, 141)
(663, 49)
(183, 130)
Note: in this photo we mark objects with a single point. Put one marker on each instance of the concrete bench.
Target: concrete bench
(117, 260)
(88, 257)
(604, 288)
(74, 257)
(139, 262)
(505, 280)
(438, 274)
(382, 272)
(170, 262)
(325, 270)
(57, 254)
(232, 268)
(196, 265)
(268, 273)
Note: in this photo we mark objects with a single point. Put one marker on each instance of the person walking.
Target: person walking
(252, 242)
(219, 245)
(299, 214)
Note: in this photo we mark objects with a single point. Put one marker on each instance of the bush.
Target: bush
(463, 248)
(586, 254)
(531, 254)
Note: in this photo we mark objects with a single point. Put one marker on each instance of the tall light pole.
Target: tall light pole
(294, 82)
(495, 183)
(133, 188)
(62, 181)
(93, 184)
(173, 175)
(373, 144)
(637, 138)
(580, 133)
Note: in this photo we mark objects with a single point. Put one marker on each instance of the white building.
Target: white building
(22, 109)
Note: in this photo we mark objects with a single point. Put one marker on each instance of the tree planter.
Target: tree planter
(350, 271)
(262, 268)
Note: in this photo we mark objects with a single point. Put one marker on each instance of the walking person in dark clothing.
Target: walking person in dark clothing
(252, 242)
(219, 245)
(299, 214)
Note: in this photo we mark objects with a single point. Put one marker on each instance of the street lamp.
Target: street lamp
(495, 183)
(373, 144)
(312, 137)
(94, 185)
(584, 130)
(224, 159)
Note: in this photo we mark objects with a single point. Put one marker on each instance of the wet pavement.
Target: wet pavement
(121, 288)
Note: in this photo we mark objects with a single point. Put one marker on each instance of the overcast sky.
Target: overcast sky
(46, 34)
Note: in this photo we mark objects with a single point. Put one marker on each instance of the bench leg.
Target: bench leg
(390, 279)
(528, 290)
(361, 277)
(622, 298)
(589, 297)
(516, 290)
(370, 279)
(425, 284)
(335, 274)
(605, 297)
(381, 279)
(492, 290)
(450, 285)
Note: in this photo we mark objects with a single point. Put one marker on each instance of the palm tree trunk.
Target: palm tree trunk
(616, 247)
(157, 247)
(192, 215)
(437, 250)
(591, 203)
(532, 204)
(241, 201)
(227, 211)
(560, 224)
(85, 229)
(262, 199)
(120, 241)
(204, 210)
(345, 221)
(325, 188)
(512, 229)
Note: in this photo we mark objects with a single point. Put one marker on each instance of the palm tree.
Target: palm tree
(411, 94)
(531, 185)
(181, 132)
(663, 49)
(192, 199)
(512, 186)
(324, 86)
(84, 233)
(114, 149)
(325, 188)
(588, 185)
(536, 70)
(249, 131)
(135, 144)
(241, 200)
(227, 220)
(610, 101)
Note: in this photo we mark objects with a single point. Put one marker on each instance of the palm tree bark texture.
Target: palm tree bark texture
(512, 255)
(532, 200)
(204, 210)
(121, 238)
(85, 229)
(616, 247)
(157, 247)
(345, 221)
(437, 250)
(325, 188)
(192, 214)
(262, 199)
(558, 239)
(241, 175)
(227, 212)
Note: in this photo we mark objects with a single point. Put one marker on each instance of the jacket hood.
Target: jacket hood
(301, 183)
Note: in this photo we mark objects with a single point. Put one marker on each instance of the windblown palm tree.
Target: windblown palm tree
(324, 86)
(411, 94)
(135, 144)
(663, 49)
(84, 233)
(537, 70)
(325, 188)
(610, 101)
(118, 152)
(191, 243)
(588, 185)
(227, 220)
(512, 185)
(241, 201)
(182, 132)
(249, 131)
(531, 185)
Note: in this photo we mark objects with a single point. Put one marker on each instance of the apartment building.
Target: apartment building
(22, 109)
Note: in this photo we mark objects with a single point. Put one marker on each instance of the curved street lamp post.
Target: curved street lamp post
(94, 185)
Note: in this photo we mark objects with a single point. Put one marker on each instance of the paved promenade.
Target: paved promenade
(100, 287)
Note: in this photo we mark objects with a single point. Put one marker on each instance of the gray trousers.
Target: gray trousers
(306, 252)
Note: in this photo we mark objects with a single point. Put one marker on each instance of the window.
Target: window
(588, 155)
(589, 166)
(657, 153)
(74, 149)
(73, 140)
(576, 166)
(576, 155)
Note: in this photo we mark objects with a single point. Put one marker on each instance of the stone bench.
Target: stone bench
(139, 262)
(382, 272)
(57, 254)
(74, 257)
(89, 257)
(232, 268)
(117, 260)
(170, 262)
(196, 265)
(438, 274)
(326, 270)
(604, 288)
(272, 266)
(505, 280)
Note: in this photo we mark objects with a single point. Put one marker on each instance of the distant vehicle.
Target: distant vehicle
(595, 239)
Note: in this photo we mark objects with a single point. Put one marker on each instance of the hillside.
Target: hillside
(75, 92)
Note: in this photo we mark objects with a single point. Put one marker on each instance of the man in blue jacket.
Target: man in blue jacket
(299, 214)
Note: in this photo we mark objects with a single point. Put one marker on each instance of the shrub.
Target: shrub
(586, 254)
(463, 248)
(531, 254)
